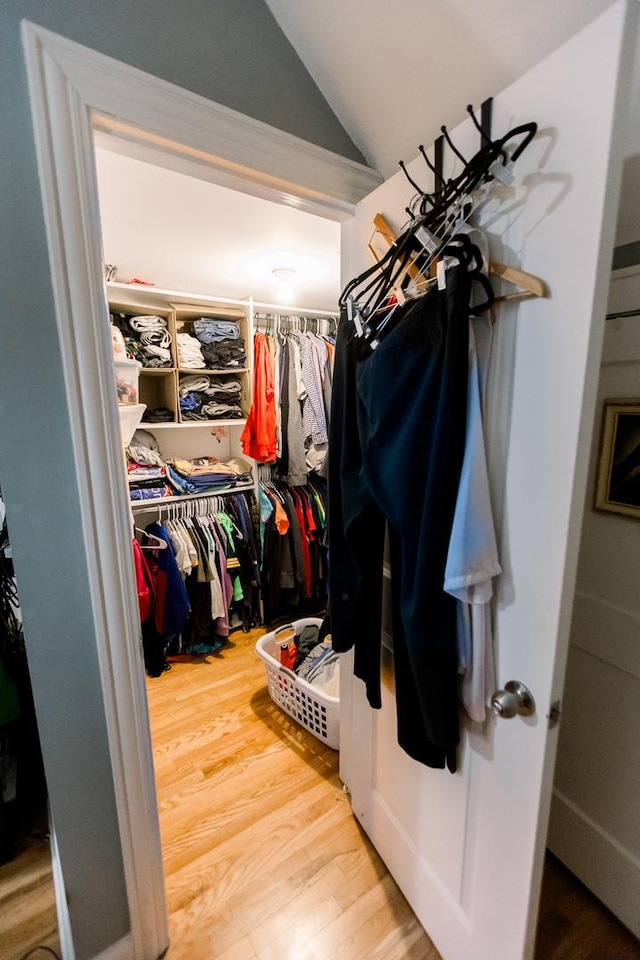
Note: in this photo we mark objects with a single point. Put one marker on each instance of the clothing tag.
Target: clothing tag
(374, 344)
(500, 172)
(353, 315)
(427, 239)
(441, 274)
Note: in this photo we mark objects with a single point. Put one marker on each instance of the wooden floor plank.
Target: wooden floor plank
(263, 858)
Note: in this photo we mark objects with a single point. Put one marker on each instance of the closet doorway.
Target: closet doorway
(228, 765)
(110, 433)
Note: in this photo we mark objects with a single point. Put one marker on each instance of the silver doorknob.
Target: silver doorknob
(514, 699)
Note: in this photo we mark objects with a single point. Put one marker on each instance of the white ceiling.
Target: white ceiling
(190, 235)
(393, 73)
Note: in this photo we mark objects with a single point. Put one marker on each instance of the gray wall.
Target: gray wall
(234, 53)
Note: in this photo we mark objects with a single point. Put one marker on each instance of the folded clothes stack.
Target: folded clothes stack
(190, 352)
(147, 482)
(222, 345)
(204, 474)
(158, 415)
(146, 338)
(151, 477)
(226, 354)
(209, 330)
(210, 398)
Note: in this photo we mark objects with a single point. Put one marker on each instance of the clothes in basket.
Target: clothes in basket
(315, 708)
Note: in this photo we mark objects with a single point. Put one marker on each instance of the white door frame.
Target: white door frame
(73, 91)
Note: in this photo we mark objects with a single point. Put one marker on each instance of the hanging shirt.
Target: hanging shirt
(144, 583)
(172, 601)
(472, 560)
(258, 437)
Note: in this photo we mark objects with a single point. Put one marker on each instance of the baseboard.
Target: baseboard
(120, 950)
(610, 871)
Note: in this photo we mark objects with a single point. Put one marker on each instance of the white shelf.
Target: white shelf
(145, 425)
(140, 505)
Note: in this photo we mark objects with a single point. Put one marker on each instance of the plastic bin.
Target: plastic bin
(127, 376)
(130, 420)
(313, 709)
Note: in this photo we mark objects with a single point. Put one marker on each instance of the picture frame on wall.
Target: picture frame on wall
(617, 487)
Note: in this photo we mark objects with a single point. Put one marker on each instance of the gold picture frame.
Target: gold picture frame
(617, 487)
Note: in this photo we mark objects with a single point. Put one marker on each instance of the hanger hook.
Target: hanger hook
(438, 176)
(483, 133)
(415, 186)
(445, 133)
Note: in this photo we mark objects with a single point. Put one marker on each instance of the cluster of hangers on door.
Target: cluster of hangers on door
(434, 218)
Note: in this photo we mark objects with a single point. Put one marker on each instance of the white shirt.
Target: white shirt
(473, 561)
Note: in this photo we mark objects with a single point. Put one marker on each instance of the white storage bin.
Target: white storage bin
(313, 709)
(127, 377)
(130, 420)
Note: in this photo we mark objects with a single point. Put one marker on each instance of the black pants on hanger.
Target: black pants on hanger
(396, 448)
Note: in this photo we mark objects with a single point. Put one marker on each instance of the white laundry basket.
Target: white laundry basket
(313, 709)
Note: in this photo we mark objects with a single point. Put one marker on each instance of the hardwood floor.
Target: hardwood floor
(27, 904)
(574, 925)
(263, 858)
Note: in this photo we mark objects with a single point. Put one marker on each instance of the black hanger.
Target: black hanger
(439, 220)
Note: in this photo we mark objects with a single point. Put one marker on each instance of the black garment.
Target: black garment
(396, 447)
(224, 353)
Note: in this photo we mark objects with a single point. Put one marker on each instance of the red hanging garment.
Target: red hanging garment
(258, 438)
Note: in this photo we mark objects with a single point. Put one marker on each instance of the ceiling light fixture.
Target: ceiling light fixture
(284, 278)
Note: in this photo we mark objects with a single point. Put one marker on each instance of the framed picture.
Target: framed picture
(618, 476)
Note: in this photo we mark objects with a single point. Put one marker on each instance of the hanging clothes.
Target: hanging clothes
(294, 555)
(258, 437)
(396, 451)
(289, 416)
(472, 560)
(205, 584)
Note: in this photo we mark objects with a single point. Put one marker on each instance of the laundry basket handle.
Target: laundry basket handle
(290, 673)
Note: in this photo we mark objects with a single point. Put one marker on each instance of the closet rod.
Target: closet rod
(623, 313)
(153, 504)
(295, 311)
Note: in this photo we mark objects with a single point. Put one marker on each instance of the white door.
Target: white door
(467, 849)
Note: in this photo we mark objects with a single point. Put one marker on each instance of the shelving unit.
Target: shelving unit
(159, 386)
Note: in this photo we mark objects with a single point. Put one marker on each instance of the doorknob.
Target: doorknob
(515, 698)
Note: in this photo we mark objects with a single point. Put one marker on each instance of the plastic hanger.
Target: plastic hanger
(159, 543)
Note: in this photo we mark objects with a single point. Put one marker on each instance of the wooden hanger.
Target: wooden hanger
(530, 285)
(389, 237)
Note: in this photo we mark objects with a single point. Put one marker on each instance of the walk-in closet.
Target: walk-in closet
(312, 610)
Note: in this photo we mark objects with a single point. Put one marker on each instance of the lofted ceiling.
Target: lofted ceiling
(392, 73)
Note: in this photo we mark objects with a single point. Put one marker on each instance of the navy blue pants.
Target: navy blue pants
(395, 453)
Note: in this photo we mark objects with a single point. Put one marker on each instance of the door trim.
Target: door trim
(73, 90)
